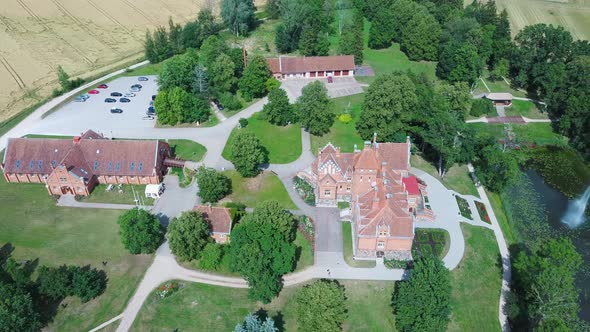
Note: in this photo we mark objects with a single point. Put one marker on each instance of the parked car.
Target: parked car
(80, 99)
(124, 100)
(153, 97)
(85, 96)
(137, 86)
(151, 103)
(110, 100)
(149, 117)
(116, 110)
(129, 94)
(142, 79)
(330, 79)
(102, 86)
(93, 92)
(135, 89)
(116, 94)
(218, 104)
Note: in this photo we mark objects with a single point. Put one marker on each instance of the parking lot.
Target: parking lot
(341, 86)
(95, 113)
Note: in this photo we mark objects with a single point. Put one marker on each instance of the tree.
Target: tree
(150, 48)
(162, 50)
(273, 8)
(262, 249)
(278, 110)
(237, 56)
(87, 283)
(547, 280)
(496, 169)
(188, 235)
(313, 109)
(17, 312)
(457, 96)
(420, 37)
(381, 30)
(312, 42)
(459, 63)
(55, 282)
(247, 154)
(283, 39)
(207, 21)
(253, 82)
(178, 72)
(500, 70)
(175, 37)
(254, 324)
(63, 78)
(221, 74)
(388, 107)
(178, 106)
(212, 47)
(321, 306)
(401, 13)
(238, 15)
(200, 81)
(481, 107)
(351, 40)
(213, 185)
(191, 35)
(422, 303)
(211, 256)
(140, 231)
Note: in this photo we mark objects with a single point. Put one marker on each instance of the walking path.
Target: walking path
(70, 201)
(507, 119)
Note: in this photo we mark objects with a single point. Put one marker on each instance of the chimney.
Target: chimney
(375, 139)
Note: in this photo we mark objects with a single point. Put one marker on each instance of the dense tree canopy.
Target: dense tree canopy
(262, 249)
(321, 306)
(222, 75)
(188, 234)
(388, 106)
(313, 109)
(278, 110)
(17, 312)
(213, 185)
(140, 231)
(422, 303)
(496, 169)
(238, 15)
(419, 39)
(253, 81)
(351, 40)
(247, 154)
(177, 72)
(179, 106)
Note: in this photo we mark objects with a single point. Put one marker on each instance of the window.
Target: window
(132, 166)
(348, 188)
(95, 167)
(54, 163)
(62, 179)
(39, 164)
(327, 192)
(110, 166)
(383, 231)
(17, 164)
(381, 244)
(118, 167)
(31, 164)
(140, 167)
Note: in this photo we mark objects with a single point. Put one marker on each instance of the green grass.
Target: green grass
(343, 135)
(425, 237)
(347, 244)
(251, 191)
(283, 143)
(539, 133)
(187, 149)
(199, 307)
(476, 283)
(392, 59)
(457, 177)
(525, 108)
(100, 195)
(498, 208)
(496, 86)
(7, 125)
(38, 229)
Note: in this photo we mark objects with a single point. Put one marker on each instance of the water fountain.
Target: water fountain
(575, 214)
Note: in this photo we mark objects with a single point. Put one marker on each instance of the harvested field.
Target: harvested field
(85, 37)
(573, 15)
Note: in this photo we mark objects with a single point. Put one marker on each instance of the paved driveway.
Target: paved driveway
(95, 113)
(342, 86)
(175, 200)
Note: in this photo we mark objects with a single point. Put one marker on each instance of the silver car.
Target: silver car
(129, 94)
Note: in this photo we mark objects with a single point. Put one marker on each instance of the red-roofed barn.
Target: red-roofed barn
(311, 67)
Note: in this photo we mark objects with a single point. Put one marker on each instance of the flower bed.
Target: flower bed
(429, 242)
(306, 226)
(167, 289)
(464, 207)
(483, 213)
(397, 264)
(305, 190)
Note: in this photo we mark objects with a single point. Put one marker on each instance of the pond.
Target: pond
(556, 205)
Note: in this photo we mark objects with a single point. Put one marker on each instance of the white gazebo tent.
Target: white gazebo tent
(153, 190)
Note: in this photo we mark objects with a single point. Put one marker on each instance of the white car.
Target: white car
(130, 94)
(135, 90)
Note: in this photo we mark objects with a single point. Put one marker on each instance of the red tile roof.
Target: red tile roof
(411, 184)
(292, 65)
(218, 217)
(396, 155)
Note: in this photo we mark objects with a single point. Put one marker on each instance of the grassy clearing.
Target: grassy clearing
(251, 191)
(38, 229)
(392, 58)
(496, 86)
(199, 307)
(539, 133)
(498, 208)
(476, 283)
(187, 149)
(525, 108)
(283, 143)
(347, 244)
(457, 177)
(342, 134)
(100, 195)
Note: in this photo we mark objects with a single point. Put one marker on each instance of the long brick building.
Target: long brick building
(75, 166)
(312, 66)
(385, 198)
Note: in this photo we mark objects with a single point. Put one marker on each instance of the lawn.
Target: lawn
(538, 133)
(283, 143)
(525, 108)
(495, 86)
(199, 307)
(38, 229)
(187, 149)
(476, 283)
(100, 195)
(498, 208)
(457, 177)
(343, 135)
(431, 241)
(347, 244)
(251, 191)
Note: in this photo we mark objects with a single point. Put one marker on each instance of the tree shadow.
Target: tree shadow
(298, 251)
(279, 320)
(5, 252)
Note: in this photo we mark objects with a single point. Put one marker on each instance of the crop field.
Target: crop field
(573, 15)
(85, 37)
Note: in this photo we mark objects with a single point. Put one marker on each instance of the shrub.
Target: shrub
(87, 283)
(481, 107)
(211, 256)
(167, 289)
(188, 235)
(306, 225)
(345, 118)
(213, 185)
(305, 190)
(141, 232)
(230, 101)
(397, 264)
(272, 83)
(55, 282)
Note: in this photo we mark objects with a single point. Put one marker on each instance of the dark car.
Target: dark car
(116, 110)
(124, 100)
(218, 104)
(142, 79)
(138, 86)
(153, 97)
(151, 109)
(110, 100)
(116, 94)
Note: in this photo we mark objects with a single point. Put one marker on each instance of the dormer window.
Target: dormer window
(383, 231)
